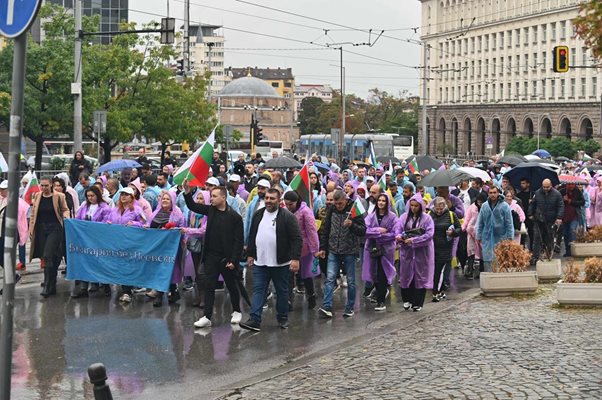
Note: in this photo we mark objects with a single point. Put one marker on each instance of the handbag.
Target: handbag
(375, 250)
(194, 245)
(523, 229)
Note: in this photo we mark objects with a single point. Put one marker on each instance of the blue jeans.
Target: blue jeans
(261, 281)
(22, 254)
(569, 234)
(334, 261)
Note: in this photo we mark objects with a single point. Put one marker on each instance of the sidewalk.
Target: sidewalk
(482, 348)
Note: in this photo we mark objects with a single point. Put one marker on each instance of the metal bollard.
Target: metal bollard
(98, 377)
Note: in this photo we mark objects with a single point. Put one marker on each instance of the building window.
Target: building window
(526, 66)
(509, 38)
(502, 91)
(516, 71)
(583, 88)
(526, 90)
(479, 69)
(494, 67)
(543, 89)
(544, 33)
(472, 45)
(535, 34)
(594, 88)
(526, 38)
(573, 56)
(553, 26)
(275, 84)
(544, 62)
(534, 88)
(287, 84)
(517, 37)
(534, 60)
(486, 42)
(562, 88)
(584, 60)
(501, 39)
(563, 30)
(479, 44)
(517, 89)
(553, 89)
(509, 67)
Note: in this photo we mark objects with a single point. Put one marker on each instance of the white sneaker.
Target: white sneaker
(344, 281)
(236, 318)
(203, 323)
(407, 305)
(125, 298)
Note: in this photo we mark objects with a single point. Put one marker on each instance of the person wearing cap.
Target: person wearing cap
(369, 181)
(240, 189)
(127, 213)
(48, 211)
(3, 193)
(222, 248)
(238, 201)
(256, 203)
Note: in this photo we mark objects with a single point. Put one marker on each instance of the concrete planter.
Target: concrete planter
(579, 293)
(507, 283)
(549, 270)
(586, 249)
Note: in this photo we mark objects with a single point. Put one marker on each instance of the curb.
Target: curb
(382, 328)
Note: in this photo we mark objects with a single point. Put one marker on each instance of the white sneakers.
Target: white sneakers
(236, 318)
(203, 323)
(206, 322)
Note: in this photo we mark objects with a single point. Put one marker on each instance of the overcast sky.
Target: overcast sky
(396, 17)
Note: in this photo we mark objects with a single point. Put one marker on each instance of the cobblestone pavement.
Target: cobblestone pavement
(483, 348)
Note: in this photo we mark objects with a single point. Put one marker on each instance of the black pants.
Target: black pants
(530, 234)
(438, 278)
(413, 295)
(462, 253)
(381, 282)
(214, 267)
(308, 284)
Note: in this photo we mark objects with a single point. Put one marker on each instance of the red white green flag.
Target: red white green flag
(33, 187)
(357, 209)
(301, 185)
(413, 166)
(196, 168)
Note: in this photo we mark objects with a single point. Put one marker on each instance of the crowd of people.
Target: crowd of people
(245, 220)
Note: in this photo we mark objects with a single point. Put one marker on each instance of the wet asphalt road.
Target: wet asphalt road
(156, 352)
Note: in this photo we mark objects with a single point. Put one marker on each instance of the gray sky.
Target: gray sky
(396, 17)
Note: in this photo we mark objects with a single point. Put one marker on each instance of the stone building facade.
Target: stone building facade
(489, 74)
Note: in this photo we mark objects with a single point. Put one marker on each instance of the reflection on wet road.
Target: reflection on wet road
(150, 351)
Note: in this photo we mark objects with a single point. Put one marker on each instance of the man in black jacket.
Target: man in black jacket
(273, 249)
(546, 210)
(222, 248)
(340, 238)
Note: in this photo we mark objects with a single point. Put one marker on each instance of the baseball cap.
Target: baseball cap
(370, 178)
(4, 184)
(128, 190)
(263, 183)
(212, 181)
(234, 178)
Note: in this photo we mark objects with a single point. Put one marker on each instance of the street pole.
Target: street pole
(77, 89)
(186, 46)
(10, 234)
(425, 134)
(342, 132)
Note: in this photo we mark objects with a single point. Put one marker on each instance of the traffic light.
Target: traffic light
(561, 59)
(252, 132)
(258, 134)
(180, 67)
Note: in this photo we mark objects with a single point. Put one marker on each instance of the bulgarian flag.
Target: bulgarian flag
(33, 187)
(357, 209)
(413, 166)
(300, 184)
(196, 168)
(382, 182)
(372, 157)
(3, 164)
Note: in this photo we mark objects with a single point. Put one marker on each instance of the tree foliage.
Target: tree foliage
(589, 26)
(557, 146)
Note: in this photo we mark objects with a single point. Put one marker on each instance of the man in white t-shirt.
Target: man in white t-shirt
(273, 250)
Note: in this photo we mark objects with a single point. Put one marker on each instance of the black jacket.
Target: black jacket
(343, 240)
(547, 207)
(232, 233)
(288, 236)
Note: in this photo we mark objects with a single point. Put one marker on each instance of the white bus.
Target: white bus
(403, 146)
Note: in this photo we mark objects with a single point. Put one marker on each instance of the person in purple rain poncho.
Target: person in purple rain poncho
(167, 213)
(379, 251)
(196, 225)
(94, 209)
(311, 246)
(415, 231)
(128, 214)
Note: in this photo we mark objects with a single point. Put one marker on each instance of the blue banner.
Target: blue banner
(123, 255)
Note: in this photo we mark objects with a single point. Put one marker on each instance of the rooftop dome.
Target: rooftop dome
(248, 87)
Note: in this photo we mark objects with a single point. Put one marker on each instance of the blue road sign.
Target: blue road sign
(17, 15)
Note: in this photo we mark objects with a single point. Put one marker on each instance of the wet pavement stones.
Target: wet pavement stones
(483, 348)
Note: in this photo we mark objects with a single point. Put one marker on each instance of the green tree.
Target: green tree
(309, 115)
(589, 27)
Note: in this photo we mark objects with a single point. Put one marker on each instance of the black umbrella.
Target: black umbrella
(282, 163)
(241, 286)
(444, 177)
(561, 159)
(512, 160)
(425, 162)
(388, 159)
(534, 172)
